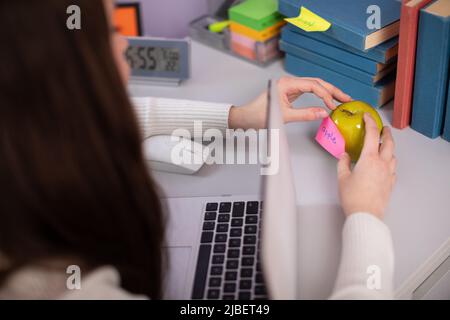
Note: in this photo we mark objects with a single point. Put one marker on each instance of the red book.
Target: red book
(409, 19)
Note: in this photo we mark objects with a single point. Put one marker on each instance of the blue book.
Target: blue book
(334, 65)
(349, 19)
(446, 133)
(432, 63)
(366, 60)
(376, 95)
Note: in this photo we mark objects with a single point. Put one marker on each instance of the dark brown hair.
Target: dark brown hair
(73, 182)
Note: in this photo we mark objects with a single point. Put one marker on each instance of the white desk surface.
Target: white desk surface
(419, 212)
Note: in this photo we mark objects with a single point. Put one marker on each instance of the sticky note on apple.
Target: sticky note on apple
(329, 137)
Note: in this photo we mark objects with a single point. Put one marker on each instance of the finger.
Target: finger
(387, 144)
(371, 137)
(337, 93)
(320, 91)
(393, 165)
(306, 114)
(344, 166)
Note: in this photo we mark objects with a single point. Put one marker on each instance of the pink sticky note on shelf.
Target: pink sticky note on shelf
(329, 137)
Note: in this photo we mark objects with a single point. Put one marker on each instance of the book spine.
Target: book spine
(446, 133)
(332, 52)
(337, 32)
(431, 75)
(401, 117)
(331, 64)
(378, 53)
(374, 95)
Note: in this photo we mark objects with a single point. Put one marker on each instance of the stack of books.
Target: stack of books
(352, 54)
(255, 27)
(422, 97)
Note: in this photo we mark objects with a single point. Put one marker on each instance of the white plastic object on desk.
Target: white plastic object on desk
(159, 151)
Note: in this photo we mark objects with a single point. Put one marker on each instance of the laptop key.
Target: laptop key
(246, 272)
(238, 209)
(245, 284)
(201, 271)
(218, 259)
(248, 261)
(234, 243)
(215, 282)
(229, 287)
(212, 206)
(249, 239)
(232, 264)
(225, 207)
(251, 219)
(249, 250)
(209, 225)
(207, 237)
(216, 270)
(235, 232)
(210, 216)
(222, 227)
(213, 294)
(233, 253)
(251, 229)
(221, 237)
(224, 218)
(260, 290)
(219, 248)
(230, 275)
(259, 278)
(258, 266)
(244, 295)
(252, 207)
(237, 222)
(228, 297)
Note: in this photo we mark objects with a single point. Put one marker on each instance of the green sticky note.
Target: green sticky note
(256, 14)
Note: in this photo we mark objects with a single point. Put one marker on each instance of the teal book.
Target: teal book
(446, 133)
(370, 60)
(334, 65)
(431, 74)
(352, 20)
(376, 95)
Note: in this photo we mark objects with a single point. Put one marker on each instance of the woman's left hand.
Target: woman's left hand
(254, 114)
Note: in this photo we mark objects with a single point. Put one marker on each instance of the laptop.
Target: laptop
(237, 247)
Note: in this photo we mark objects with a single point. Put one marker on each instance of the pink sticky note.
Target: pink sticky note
(329, 137)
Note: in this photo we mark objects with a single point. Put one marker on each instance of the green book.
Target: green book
(256, 14)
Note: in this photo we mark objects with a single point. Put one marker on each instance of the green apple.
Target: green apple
(348, 118)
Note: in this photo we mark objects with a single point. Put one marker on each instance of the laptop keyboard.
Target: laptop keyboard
(228, 265)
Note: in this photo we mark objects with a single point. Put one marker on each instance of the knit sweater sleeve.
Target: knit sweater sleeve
(162, 116)
(367, 260)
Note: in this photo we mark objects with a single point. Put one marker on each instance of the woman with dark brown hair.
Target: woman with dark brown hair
(74, 188)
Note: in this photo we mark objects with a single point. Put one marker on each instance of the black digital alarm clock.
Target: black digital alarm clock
(158, 60)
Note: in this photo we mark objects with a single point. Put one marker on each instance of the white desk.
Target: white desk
(419, 212)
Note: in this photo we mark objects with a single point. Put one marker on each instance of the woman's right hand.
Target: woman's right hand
(368, 186)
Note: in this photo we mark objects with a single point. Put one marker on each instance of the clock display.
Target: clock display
(153, 58)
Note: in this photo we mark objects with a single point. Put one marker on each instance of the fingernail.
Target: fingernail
(321, 114)
(342, 155)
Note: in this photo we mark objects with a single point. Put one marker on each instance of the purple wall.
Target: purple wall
(169, 18)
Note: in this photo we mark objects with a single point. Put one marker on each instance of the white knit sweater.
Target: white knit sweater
(367, 258)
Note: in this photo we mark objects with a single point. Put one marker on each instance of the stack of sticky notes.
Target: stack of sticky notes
(351, 44)
(255, 27)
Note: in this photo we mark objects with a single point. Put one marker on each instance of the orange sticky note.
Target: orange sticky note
(126, 18)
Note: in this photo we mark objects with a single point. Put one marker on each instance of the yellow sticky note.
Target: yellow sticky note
(309, 21)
